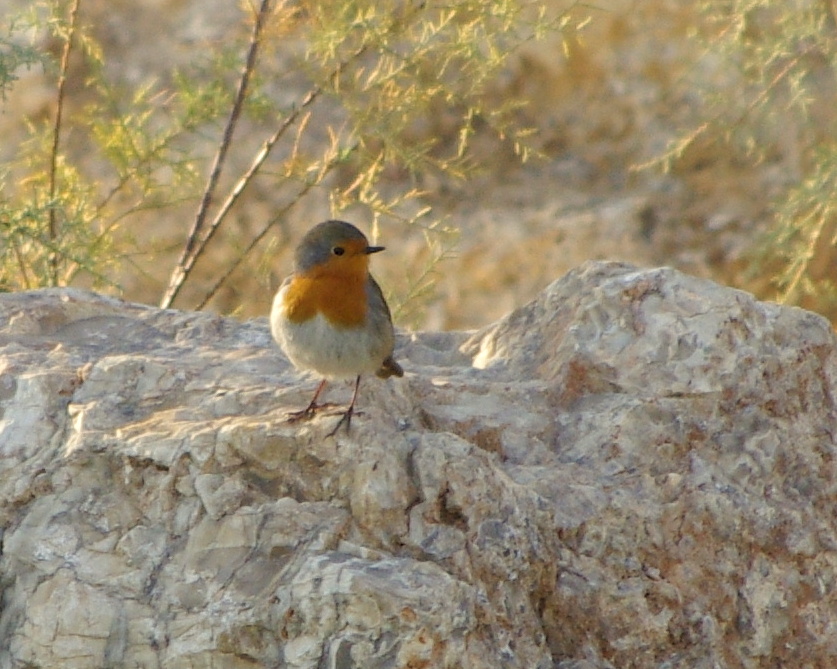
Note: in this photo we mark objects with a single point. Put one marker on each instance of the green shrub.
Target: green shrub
(783, 112)
(370, 81)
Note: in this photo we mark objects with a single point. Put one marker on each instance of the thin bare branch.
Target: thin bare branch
(194, 242)
(21, 265)
(252, 245)
(267, 227)
(189, 262)
(56, 137)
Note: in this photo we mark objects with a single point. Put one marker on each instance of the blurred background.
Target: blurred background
(490, 146)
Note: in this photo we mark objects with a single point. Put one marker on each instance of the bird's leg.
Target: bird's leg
(348, 413)
(312, 407)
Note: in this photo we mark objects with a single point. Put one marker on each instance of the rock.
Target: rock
(635, 470)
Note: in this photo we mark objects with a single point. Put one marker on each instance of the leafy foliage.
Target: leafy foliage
(784, 58)
(14, 57)
(345, 94)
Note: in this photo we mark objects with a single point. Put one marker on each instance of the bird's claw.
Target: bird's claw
(308, 412)
(346, 417)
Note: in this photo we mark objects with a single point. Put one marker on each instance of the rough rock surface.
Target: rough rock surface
(635, 470)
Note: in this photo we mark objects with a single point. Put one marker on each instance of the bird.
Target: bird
(330, 316)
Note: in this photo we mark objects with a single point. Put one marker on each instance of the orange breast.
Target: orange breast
(340, 297)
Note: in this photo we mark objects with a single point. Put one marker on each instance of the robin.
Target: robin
(330, 315)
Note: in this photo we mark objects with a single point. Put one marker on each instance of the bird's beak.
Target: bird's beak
(374, 249)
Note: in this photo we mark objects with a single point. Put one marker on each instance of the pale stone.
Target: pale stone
(636, 469)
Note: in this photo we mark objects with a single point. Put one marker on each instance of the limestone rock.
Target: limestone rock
(635, 470)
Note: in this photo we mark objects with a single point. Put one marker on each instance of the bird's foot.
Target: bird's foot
(308, 412)
(345, 418)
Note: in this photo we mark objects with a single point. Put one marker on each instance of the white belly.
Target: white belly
(335, 353)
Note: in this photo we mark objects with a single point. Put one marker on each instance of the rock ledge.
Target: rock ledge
(635, 470)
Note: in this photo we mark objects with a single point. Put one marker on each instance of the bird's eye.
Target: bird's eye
(338, 250)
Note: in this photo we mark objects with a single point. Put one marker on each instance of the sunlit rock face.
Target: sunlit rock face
(634, 470)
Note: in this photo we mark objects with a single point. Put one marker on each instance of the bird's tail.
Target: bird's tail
(389, 368)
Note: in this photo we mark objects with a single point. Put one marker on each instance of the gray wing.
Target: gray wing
(376, 299)
(382, 322)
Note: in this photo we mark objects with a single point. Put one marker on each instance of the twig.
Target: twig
(187, 263)
(238, 189)
(680, 146)
(329, 165)
(791, 292)
(254, 242)
(194, 243)
(56, 138)
(21, 264)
